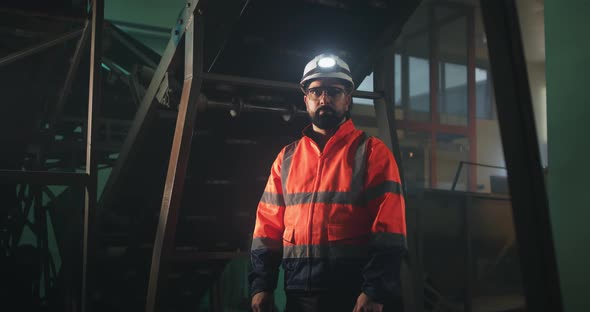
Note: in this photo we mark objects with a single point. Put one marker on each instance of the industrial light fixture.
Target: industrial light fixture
(326, 62)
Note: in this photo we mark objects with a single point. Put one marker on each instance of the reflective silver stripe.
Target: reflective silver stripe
(266, 243)
(273, 199)
(386, 240)
(319, 70)
(286, 165)
(325, 251)
(359, 170)
(379, 190)
(321, 197)
(345, 198)
(356, 184)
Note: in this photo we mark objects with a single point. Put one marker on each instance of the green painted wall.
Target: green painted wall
(148, 21)
(568, 101)
(156, 13)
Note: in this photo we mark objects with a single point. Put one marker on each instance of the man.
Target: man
(332, 209)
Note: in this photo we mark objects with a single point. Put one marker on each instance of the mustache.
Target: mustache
(325, 109)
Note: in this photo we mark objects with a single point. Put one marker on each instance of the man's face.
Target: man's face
(327, 102)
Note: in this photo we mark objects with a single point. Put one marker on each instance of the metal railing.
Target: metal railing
(469, 163)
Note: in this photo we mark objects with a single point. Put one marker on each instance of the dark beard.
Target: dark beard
(329, 120)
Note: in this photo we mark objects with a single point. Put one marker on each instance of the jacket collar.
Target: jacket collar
(343, 130)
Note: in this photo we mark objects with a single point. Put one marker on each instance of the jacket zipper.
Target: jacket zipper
(310, 220)
(313, 203)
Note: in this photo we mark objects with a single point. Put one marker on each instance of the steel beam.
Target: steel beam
(270, 84)
(38, 48)
(248, 107)
(251, 82)
(471, 97)
(465, 206)
(65, 91)
(367, 95)
(178, 163)
(41, 235)
(530, 207)
(146, 111)
(94, 102)
(385, 108)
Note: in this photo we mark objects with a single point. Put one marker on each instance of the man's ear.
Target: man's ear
(349, 102)
(306, 105)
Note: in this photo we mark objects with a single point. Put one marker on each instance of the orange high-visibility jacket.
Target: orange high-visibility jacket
(335, 218)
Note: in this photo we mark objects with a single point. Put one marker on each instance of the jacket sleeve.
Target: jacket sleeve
(381, 274)
(267, 243)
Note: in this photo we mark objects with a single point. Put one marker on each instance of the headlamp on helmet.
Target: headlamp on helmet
(326, 62)
(326, 66)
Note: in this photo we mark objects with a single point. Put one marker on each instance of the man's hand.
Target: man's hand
(263, 302)
(365, 304)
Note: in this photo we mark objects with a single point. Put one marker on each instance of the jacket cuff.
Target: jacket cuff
(260, 286)
(375, 295)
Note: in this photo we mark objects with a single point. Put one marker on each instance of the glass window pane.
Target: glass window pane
(366, 85)
(419, 95)
(415, 88)
(398, 80)
(483, 94)
(363, 110)
(452, 72)
(452, 105)
(532, 21)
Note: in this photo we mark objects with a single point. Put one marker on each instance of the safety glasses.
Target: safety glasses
(332, 92)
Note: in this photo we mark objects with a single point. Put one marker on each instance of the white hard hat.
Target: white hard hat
(326, 66)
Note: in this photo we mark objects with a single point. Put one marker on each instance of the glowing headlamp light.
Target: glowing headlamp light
(326, 62)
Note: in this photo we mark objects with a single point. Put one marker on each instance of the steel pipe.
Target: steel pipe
(38, 48)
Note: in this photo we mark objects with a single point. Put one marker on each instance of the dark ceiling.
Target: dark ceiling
(273, 40)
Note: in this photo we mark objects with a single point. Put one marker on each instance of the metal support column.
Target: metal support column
(434, 90)
(179, 156)
(384, 107)
(471, 99)
(384, 81)
(521, 151)
(94, 101)
(65, 92)
(466, 204)
(42, 236)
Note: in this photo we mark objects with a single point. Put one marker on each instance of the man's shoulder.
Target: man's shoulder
(371, 139)
(375, 144)
(289, 148)
(291, 145)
